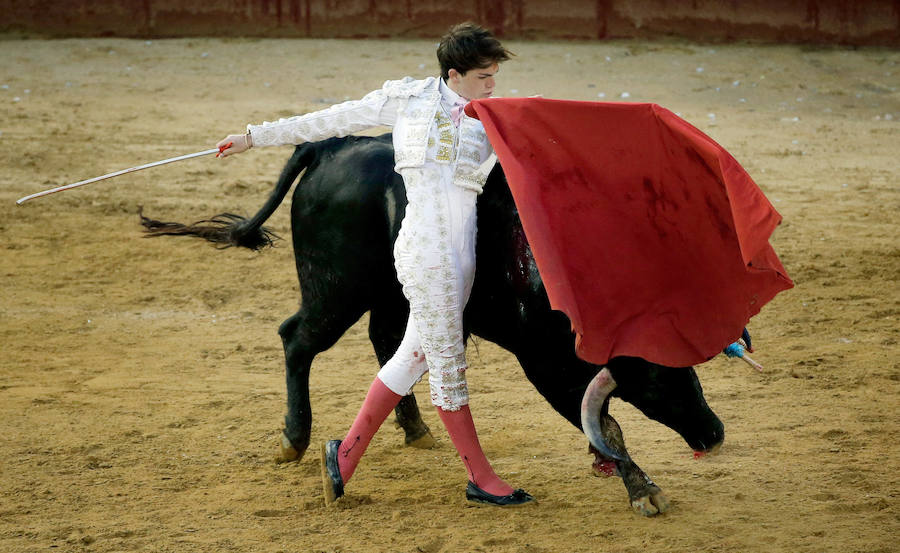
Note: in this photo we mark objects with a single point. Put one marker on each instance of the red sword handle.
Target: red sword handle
(224, 147)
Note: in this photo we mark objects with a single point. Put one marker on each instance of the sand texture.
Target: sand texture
(141, 381)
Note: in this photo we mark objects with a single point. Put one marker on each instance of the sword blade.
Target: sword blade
(20, 201)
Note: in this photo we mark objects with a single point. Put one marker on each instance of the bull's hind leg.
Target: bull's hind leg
(386, 327)
(305, 335)
(410, 420)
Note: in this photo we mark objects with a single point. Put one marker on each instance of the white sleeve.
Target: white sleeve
(373, 110)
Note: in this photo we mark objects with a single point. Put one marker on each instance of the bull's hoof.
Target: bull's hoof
(651, 505)
(422, 441)
(287, 452)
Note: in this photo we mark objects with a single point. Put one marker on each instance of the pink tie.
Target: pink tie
(456, 111)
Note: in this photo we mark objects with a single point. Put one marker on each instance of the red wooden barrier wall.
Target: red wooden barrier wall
(867, 22)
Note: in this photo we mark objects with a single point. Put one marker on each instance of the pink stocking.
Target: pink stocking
(461, 428)
(379, 402)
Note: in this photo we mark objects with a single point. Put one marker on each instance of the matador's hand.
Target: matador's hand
(239, 143)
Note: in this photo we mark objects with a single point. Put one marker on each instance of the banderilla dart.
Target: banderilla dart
(737, 350)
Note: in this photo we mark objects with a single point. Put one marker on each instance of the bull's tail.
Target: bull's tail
(228, 229)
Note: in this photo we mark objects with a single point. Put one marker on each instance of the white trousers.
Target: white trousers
(435, 260)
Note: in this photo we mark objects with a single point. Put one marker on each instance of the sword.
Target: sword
(216, 151)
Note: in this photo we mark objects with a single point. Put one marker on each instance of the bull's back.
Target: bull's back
(346, 212)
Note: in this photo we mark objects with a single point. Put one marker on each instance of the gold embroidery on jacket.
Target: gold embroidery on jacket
(446, 138)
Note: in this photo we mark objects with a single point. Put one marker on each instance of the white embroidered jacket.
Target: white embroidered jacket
(409, 107)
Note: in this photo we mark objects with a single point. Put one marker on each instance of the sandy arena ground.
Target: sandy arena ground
(141, 381)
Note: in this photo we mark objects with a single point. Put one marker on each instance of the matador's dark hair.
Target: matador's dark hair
(468, 46)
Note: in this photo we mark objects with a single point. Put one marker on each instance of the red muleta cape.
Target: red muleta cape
(648, 235)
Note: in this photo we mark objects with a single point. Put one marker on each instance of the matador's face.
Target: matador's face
(475, 83)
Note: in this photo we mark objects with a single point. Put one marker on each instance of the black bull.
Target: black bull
(345, 215)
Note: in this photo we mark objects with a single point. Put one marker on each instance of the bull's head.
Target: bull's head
(672, 396)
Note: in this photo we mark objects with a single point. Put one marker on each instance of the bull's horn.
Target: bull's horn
(591, 420)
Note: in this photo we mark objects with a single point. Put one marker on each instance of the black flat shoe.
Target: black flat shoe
(477, 495)
(332, 483)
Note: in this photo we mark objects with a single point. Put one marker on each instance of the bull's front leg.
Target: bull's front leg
(646, 498)
(602, 465)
